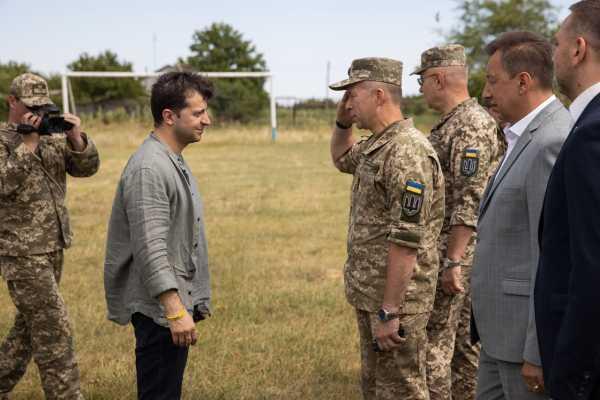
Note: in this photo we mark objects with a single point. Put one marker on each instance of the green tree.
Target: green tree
(221, 48)
(98, 90)
(481, 21)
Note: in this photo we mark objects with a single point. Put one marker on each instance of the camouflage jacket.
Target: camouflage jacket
(469, 147)
(397, 197)
(33, 188)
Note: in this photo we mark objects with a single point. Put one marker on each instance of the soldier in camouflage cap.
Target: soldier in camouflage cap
(469, 147)
(35, 229)
(396, 215)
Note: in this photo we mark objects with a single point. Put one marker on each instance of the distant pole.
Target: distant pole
(327, 79)
(71, 97)
(154, 50)
(273, 109)
(65, 93)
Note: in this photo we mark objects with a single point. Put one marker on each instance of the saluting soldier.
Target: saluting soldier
(396, 214)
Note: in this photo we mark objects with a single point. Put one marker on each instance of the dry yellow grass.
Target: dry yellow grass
(276, 217)
(276, 221)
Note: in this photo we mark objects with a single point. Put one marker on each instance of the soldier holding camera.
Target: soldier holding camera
(34, 231)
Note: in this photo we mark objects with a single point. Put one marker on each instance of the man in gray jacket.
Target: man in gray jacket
(519, 89)
(156, 267)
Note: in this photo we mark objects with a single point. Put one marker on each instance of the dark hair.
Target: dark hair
(585, 18)
(171, 90)
(525, 52)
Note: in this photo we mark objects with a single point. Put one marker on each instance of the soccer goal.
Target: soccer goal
(68, 98)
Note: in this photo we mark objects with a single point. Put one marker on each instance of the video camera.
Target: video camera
(52, 121)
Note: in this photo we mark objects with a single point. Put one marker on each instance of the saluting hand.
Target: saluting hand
(344, 116)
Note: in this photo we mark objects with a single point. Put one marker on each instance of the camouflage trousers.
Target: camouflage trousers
(41, 329)
(452, 360)
(397, 374)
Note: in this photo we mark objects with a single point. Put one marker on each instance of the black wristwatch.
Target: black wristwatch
(385, 316)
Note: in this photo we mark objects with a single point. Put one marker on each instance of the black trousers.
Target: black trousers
(159, 363)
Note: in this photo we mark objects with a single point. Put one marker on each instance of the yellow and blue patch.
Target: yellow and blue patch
(412, 201)
(472, 153)
(470, 162)
(415, 187)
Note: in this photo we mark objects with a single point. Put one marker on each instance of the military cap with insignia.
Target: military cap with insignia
(31, 89)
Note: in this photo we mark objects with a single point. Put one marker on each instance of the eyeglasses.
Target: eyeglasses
(421, 79)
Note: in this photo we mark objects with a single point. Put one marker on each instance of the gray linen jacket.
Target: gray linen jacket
(507, 251)
(156, 240)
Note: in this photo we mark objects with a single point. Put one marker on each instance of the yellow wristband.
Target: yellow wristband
(177, 316)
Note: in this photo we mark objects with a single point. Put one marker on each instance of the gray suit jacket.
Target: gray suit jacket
(156, 239)
(506, 254)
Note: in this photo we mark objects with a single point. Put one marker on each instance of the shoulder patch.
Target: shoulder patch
(470, 162)
(412, 201)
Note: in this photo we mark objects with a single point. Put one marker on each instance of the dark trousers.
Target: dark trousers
(159, 363)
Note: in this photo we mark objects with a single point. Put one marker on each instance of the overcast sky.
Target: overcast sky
(297, 38)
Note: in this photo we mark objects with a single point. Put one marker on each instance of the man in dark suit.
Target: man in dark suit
(567, 292)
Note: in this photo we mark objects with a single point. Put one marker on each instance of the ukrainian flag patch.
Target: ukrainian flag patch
(470, 162)
(414, 187)
(412, 200)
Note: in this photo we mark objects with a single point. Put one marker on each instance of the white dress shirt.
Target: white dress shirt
(512, 133)
(582, 101)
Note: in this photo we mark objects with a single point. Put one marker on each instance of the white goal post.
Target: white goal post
(67, 91)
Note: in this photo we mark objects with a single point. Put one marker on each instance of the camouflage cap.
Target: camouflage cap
(31, 89)
(371, 69)
(443, 56)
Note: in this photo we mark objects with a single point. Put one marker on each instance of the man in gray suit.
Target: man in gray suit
(518, 89)
(156, 266)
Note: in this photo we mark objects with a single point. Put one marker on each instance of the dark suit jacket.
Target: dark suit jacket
(567, 289)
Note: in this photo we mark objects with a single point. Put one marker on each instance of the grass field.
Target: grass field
(276, 219)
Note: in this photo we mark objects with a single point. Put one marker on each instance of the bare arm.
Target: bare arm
(458, 240)
(478, 139)
(82, 158)
(400, 266)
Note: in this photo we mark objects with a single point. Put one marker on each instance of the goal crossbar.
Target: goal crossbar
(123, 74)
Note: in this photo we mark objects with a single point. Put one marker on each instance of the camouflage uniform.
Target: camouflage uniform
(397, 197)
(35, 230)
(469, 148)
